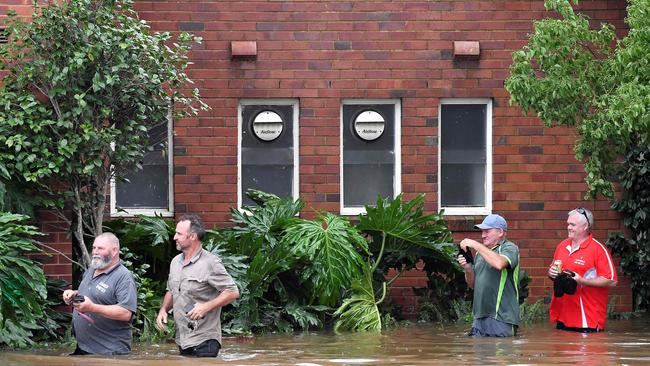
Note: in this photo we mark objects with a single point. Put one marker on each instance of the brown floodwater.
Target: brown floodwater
(626, 342)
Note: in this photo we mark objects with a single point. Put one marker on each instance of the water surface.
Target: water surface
(626, 342)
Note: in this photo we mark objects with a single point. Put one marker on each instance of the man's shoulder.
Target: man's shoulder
(509, 244)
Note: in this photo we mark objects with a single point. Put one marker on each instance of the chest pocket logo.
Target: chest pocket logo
(102, 287)
(579, 261)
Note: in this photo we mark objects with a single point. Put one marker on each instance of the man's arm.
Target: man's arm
(167, 303)
(223, 299)
(492, 258)
(115, 312)
(594, 282)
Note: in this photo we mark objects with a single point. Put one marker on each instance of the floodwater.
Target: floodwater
(626, 342)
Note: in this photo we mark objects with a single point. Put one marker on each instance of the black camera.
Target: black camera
(564, 284)
(469, 258)
(78, 298)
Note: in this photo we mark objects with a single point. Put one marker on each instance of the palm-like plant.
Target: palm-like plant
(331, 246)
(401, 234)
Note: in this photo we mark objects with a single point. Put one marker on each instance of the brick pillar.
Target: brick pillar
(57, 244)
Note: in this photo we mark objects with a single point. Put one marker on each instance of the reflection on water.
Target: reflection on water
(624, 343)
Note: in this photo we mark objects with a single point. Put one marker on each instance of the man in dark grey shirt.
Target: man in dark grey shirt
(197, 289)
(105, 302)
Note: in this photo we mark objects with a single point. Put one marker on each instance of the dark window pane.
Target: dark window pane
(368, 166)
(276, 179)
(463, 155)
(148, 188)
(267, 165)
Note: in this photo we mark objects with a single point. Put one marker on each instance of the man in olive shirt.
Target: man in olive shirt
(494, 276)
(198, 287)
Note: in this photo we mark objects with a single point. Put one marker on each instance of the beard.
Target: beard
(100, 262)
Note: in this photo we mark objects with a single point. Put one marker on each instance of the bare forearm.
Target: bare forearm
(469, 277)
(115, 312)
(167, 302)
(597, 282)
(224, 298)
(492, 258)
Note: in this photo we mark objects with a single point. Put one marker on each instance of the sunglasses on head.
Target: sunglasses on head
(582, 211)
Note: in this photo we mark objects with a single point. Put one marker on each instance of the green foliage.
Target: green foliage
(150, 239)
(572, 75)
(532, 313)
(23, 290)
(634, 204)
(331, 246)
(86, 80)
(400, 235)
(410, 235)
(359, 311)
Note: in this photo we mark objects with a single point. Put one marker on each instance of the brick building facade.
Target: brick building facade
(319, 64)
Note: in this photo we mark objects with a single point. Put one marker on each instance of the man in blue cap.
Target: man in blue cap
(494, 276)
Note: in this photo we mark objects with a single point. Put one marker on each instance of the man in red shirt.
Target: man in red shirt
(593, 270)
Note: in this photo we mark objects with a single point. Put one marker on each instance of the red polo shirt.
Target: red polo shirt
(588, 307)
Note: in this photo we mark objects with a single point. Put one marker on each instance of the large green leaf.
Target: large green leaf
(359, 311)
(330, 244)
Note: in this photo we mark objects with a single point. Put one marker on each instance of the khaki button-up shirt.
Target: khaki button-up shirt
(199, 281)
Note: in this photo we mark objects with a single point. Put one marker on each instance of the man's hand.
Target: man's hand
(552, 272)
(463, 262)
(161, 320)
(68, 295)
(85, 307)
(199, 311)
(469, 243)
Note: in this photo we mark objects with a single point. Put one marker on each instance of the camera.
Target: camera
(564, 284)
(467, 254)
(78, 298)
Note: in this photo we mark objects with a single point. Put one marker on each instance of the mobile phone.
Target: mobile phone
(78, 298)
(188, 308)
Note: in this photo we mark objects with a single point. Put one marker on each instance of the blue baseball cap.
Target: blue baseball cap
(493, 221)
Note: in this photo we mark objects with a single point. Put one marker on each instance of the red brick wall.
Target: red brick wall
(321, 52)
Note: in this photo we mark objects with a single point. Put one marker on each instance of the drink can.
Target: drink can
(558, 265)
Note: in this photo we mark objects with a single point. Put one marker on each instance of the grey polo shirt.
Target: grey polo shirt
(106, 336)
(200, 281)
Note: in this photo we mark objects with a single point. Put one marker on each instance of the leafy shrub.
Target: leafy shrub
(634, 204)
(23, 291)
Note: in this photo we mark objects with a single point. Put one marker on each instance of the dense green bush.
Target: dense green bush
(24, 314)
(294, 273)
(634, 204)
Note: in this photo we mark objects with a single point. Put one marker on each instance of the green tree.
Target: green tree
(86, 82)
(573, 75)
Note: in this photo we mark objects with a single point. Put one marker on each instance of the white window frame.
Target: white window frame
(169, 212)
(296, 132)
(397, 173)
(487, 208)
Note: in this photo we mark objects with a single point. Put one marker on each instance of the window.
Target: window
(370, 150)
(148, 191)
(465, 165)
(268, 148)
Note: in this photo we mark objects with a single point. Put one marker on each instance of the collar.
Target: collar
(583, 245)
(195, 258)
(499, 244)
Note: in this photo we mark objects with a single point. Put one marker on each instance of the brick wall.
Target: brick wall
(321, 52)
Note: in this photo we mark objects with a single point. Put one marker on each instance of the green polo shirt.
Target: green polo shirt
(496, 293)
